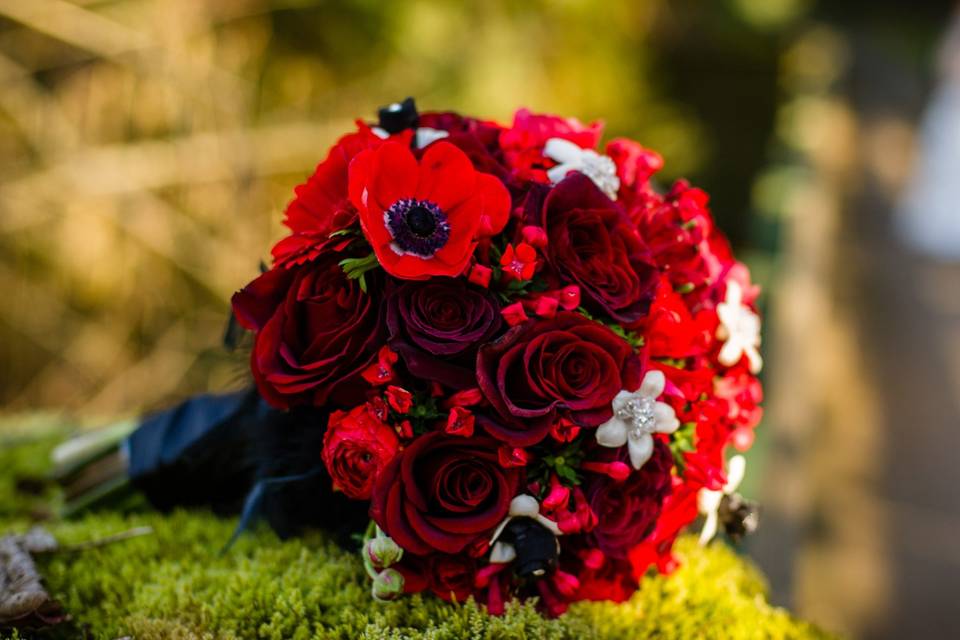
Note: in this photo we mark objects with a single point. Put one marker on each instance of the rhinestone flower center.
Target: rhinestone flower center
(637, 413)
(418, 227)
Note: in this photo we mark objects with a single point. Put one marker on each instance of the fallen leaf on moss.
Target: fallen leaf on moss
(24, 602)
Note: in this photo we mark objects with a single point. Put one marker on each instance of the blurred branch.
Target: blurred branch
(74, 25)
(193, 159)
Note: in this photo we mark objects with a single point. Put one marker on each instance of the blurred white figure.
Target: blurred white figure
(929, 213)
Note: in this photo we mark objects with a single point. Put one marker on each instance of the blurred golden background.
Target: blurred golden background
(148, 148)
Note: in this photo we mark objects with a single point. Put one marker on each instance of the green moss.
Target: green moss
(175, 584)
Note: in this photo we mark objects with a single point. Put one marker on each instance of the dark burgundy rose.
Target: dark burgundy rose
(316, 332)
(437, 325)
(564, 364)
(627, 511)
(444, 493)
(451, 576)
(447, 576)
(479, 139)
(593, 244)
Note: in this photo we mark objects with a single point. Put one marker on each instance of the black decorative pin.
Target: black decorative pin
(738, 516)
(398, 116)
(536, 546)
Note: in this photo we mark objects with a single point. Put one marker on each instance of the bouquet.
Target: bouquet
(505, 350)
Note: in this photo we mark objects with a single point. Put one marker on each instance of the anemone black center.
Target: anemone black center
(421, 221)
(418, 227)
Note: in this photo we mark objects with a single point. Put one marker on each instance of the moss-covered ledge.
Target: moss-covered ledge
(175, 584)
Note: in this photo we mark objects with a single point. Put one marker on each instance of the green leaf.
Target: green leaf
(683, 440)
(634, 339)
(354, 268)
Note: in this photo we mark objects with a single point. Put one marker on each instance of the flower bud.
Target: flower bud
(382, 552)
(570, 297)
(480, 275)
(388, 585)
(535, 236)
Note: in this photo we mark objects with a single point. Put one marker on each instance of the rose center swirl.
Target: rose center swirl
(418, 227)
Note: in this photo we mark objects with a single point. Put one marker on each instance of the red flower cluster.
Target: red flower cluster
(534, 360)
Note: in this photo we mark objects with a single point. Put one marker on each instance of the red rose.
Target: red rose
(322, 203)
(437, 326)
(613, 580)
(671, 330)
(355, 447)
(627, 511)
(444, 493)
(679, 510)
(424, 219)
(451, 577)
(448, 576)
(743, 394)
(316, 332)
(593, 244)
(635, 165)
(681, 235)
(563, 364)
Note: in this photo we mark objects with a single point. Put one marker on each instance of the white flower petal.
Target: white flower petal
(621, 400)
(502, 553)
(524, 506)
(728, 316)
(612, 433)
(562, 150)
(736, 469)
(559, 172)
(549, 524)
(709, 528)
(500, 528)
(750, 324)
(665, 418)
(640, 450)
(708, 501)
(426, 135)
(756, 361)
(731, 351)
(734, 295)
(654, 382)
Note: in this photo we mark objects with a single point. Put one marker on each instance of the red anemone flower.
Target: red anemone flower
(423, 219)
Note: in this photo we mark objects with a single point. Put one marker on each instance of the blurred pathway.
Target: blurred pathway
(864, 473)
(907, 310)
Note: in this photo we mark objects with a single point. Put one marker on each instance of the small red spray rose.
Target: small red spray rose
(356, 446)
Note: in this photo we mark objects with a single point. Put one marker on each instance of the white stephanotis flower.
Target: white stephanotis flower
(636, 416)
(739, 329)
(569, 157)
(422, 135)
(708, 501)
